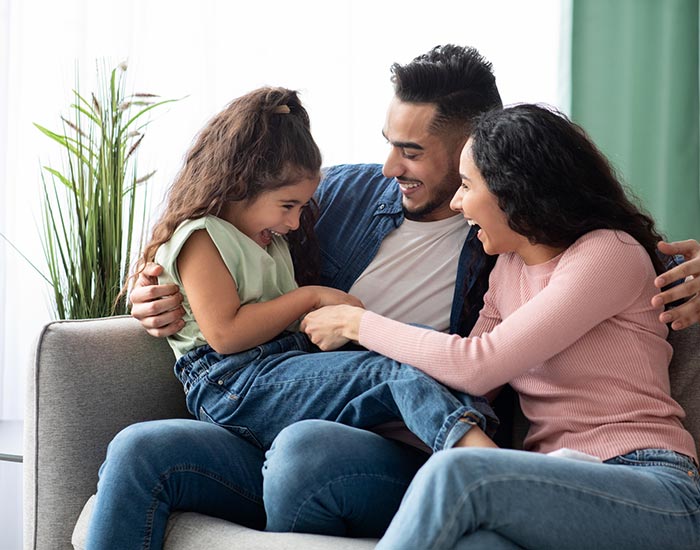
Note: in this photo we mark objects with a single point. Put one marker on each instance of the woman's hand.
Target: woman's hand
(333, 326)
(688, 313)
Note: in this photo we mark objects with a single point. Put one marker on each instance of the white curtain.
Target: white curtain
(337, 54)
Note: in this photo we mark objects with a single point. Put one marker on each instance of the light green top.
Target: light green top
(260, 274)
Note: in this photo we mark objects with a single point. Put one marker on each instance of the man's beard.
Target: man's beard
(444, 192)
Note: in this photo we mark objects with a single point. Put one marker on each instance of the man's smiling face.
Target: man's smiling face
(424, 164)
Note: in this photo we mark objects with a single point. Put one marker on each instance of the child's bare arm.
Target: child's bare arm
(227, 326)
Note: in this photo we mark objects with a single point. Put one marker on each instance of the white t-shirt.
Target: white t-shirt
(412, 277)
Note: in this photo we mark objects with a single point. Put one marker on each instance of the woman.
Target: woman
(567, 321)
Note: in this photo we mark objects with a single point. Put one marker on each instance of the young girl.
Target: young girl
(567, 321)
(242, 200)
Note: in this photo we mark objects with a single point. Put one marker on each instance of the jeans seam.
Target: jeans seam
(200, 471)
(148, 536)
(259, 386)
(336, 480)
(656, 464)
(165, 477)
(456, 510)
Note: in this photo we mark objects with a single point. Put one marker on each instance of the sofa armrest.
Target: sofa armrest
(90, 379)
(684, 372)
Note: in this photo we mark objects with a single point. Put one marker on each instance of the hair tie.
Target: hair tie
(281, 110)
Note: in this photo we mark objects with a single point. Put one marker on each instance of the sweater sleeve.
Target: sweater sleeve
(599, 276)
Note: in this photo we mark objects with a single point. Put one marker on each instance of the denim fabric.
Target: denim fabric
(153, 468)
(257, 393)
(496, 498)
(326, 478)
(359, 208)
(156, 467)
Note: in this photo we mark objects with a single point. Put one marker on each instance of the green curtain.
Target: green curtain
(635, 91)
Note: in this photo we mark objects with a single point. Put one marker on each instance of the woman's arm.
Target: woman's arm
(601, 279)
(227, 326)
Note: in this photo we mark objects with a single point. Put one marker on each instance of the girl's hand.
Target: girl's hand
(688, 313)
(333, 326)
(326, 296)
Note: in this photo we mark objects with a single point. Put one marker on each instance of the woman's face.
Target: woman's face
(480, 207)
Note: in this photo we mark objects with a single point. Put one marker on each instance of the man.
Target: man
(391, 240)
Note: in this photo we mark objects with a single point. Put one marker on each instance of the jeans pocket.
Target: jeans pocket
(239, 431)
(659, 458)
(230, 365)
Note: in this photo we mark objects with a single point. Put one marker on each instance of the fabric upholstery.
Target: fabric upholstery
(89, 380)
(685, 376)
(92, 378)
(187, 530)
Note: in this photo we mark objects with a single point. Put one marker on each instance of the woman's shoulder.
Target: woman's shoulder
(608, 242)
(613, 251)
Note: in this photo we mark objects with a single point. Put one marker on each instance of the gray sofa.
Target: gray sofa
(92, 378)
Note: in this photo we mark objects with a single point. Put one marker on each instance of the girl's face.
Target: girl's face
(480, 207)
(272, 212)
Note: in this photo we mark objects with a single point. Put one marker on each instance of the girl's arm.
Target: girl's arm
(227, 326)
(601, 278)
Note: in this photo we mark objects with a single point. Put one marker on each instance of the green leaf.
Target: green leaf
(144, 111)
(90, 204)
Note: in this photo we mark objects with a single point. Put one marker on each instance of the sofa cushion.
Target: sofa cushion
(188, 530)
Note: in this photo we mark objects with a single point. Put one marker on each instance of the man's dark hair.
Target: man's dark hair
(458, 80)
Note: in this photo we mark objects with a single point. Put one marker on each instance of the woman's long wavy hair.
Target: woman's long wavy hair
(260, 142)
(552, 182)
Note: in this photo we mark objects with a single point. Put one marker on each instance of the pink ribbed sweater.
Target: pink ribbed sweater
(578, 340)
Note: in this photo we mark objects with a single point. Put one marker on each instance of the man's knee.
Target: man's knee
(302, 454)
(296, 447)
(142, 446)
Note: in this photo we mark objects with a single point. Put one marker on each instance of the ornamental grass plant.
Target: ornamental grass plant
(94, 207)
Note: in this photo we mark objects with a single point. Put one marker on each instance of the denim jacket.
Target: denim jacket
(358, 208)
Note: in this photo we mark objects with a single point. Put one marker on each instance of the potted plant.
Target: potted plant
(94, 208)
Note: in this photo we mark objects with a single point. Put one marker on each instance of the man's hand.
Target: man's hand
(157, 307)
(688, 313)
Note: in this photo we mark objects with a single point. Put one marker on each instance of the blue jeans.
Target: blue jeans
(503, 499)
(154, 468)
(327, 478)
(257, 393)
